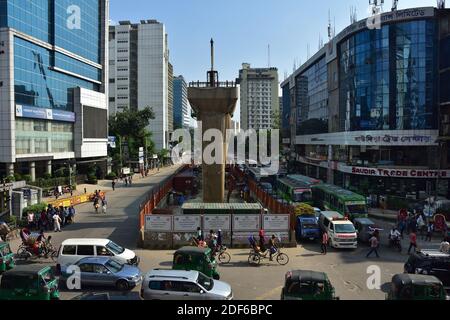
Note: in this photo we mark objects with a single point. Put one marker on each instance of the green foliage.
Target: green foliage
(37, 208)
(111, 176)
(47, 176)
(61, 172)
(92, 179)
(11, 220)
(10, 178)
(51, 183)
(27, 178)
(17, 177)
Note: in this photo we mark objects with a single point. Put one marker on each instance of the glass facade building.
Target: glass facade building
(388, 78)
(58, 50)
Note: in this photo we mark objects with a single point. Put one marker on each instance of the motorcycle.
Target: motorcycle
(395, 243)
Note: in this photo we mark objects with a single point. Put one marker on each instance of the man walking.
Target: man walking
(374, 243)
(114, 185)
(325, 240)
(412, 241)
(430, 230)
(57, 222)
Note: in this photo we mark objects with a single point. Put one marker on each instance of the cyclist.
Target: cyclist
(273, 246)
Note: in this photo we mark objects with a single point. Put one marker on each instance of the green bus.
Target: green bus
(333, 198)
(294, 191)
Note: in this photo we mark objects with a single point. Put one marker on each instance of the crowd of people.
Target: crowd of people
(52, 218)
(100, 201)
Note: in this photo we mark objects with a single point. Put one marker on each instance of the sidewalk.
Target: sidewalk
(103, 185)
(387, 215)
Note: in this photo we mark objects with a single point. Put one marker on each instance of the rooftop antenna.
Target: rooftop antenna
(212, 54)
(377, 6)
(330, 36)
(320, 41)
(268, 55)
(441, 4)
(353, 15)
(394, 5)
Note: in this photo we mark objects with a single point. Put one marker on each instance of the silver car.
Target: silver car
(161, 284)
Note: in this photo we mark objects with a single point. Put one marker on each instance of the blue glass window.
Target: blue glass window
(78, 67)
(39, 86)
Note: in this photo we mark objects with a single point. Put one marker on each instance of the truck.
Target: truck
(307, 227)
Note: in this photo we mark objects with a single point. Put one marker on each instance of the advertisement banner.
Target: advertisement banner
(23, 111)
(186, 223)
(246, 223)
(217, 222)
(158, 223)
(276, 222)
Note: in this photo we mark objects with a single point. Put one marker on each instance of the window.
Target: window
(102, 251)
(69, 250)
(156, 285)
(86, 267)
(85, 250)
(98, 268)
(112, 99)
(112, 80)
(191, 287)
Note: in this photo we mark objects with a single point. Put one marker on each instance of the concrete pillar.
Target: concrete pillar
(33, 170)
(49, 167)
(10, 169)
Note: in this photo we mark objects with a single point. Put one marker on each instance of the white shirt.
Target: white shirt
(395, 234)
(445, 247)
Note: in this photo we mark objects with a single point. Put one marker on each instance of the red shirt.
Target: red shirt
(413, 238)
(325, 238)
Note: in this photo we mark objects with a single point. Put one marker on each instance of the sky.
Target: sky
(243, 30)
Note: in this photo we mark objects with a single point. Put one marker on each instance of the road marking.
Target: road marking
(270, 293)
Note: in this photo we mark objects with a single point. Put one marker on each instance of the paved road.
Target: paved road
(347, 270)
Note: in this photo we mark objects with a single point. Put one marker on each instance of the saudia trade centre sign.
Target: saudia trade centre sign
(397, 173)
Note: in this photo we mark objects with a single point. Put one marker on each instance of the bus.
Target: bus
(334, 198)
(307, 181)
(293, 191)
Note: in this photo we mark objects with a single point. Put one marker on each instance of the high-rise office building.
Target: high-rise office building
(370, 110)
(139, 71)
(259, 96)
(53, 84)
(170, 98)
(181, 107)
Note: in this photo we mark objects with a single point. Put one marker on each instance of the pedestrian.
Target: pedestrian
(114, 185)
(262, 241)
(30, 219)
(57, 223)
(85, 190)
(324, 244)
(4, 231)
(72, 214)
(430, 230)
(374, 243)
(445, 246)
(412, 241)
(199, 234)
(104, 204)
(126, 181)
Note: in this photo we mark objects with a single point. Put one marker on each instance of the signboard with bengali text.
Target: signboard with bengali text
(217, 222)
(246, 222)
(186, 223)
(159, 223)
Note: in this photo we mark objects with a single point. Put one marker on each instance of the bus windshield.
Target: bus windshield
(357, 209)
(303, 196)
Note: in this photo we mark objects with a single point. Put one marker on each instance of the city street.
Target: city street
(346, 269)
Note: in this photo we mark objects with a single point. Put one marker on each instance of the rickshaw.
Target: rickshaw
(29, 282)
(307, 285)
(416, 287)
(6, 257)
(197, 259)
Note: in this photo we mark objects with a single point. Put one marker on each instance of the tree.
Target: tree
(130, 126)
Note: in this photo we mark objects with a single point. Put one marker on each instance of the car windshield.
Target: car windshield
(344, 228)
(115, 248)
(358, 209)
(205, 282)
(114, 266)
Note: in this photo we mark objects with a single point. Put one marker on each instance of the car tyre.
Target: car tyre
(122, 285)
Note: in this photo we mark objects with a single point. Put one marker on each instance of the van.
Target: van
(73, 250)
(341, 232)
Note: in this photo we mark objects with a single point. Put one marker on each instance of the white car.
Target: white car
(161, 284)
(73, 250)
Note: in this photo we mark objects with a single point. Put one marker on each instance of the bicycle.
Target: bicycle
(255, 257)
(223, 256)
(47, 250)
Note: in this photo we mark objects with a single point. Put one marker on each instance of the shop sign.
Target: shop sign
(396, 173)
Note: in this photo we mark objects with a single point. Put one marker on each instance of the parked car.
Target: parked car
(430, 262)
(72, 250)
(416, 287)
(29, 282)
(183, 285)
(106, 271)
(6, 257)
(307, 285)
(198, 259)
(92, 296)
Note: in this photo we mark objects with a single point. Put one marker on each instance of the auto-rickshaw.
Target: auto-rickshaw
(307, 285)
(29, 282)
(416, 287)
(6, 257)
(365, 228)
(198, 259)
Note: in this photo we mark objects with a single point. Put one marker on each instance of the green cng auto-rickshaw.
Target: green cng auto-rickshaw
(198, 259)
(416, 287)
(6, 257)
(307, 285)
(29, 282)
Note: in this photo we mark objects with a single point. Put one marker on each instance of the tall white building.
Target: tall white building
(259, 96)
(139, 67)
